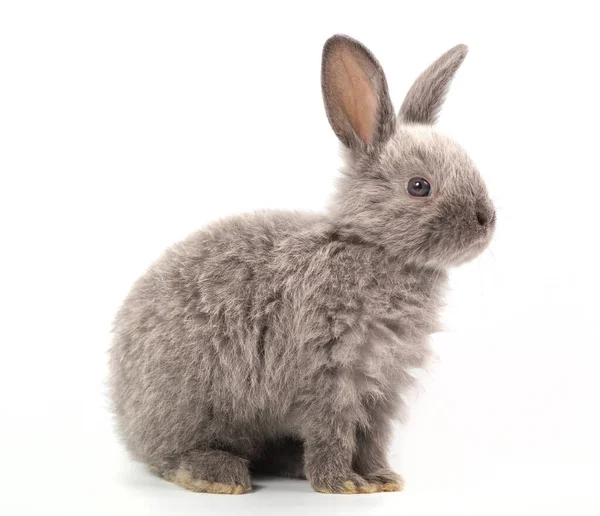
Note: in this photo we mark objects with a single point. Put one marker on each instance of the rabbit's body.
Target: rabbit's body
(282, 342)
(223, 341)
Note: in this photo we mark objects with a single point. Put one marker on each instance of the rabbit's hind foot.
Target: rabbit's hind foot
(184, 478)
(210, 471)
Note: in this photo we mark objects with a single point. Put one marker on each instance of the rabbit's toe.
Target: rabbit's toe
(351, 484)
(385, 480)
(184, 478)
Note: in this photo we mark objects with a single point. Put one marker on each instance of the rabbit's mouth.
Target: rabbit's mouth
(478, 247)
(463, 246)
(479, 243)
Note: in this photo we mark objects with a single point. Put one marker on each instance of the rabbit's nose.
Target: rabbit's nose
(482, 218)
(485, 215)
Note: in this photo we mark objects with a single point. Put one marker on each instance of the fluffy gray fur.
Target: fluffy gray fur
(281, 342)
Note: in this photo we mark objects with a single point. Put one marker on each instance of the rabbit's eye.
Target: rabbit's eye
(419, 187)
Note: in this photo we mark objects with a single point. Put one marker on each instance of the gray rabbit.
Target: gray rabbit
(281, 342)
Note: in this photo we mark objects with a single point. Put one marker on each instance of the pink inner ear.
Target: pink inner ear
(354, 90)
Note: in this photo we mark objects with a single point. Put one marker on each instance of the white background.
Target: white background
(126, 125)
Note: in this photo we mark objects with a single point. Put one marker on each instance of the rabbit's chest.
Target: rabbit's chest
(392, 335)
(395, 338)
(406, 307)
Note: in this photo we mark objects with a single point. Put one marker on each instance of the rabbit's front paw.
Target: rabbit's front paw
(342, 484)
(385, 480)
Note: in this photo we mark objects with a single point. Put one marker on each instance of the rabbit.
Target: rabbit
(283, 342)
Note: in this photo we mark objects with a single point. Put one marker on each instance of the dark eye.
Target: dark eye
(419, 187)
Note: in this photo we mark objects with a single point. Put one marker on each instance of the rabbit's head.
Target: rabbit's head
(405, 186)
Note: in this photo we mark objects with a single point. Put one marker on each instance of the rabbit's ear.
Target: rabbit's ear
(356, 94)
(426, 96)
